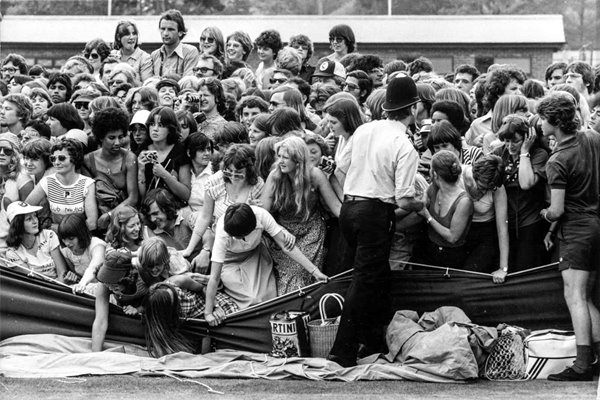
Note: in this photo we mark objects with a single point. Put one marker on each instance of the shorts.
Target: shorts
(579, 244)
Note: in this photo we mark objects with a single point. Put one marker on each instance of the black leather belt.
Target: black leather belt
(348, 197)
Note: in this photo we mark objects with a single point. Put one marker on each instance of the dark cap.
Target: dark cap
(401, 92)
(328, 68)
(168, 82)
(117, 265)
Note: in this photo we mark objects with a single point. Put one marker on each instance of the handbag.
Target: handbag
(322, 332)
(508, 359)
(549, 351)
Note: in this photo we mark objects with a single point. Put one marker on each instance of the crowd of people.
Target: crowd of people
(254, 182)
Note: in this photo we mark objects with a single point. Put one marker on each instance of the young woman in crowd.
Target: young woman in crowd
(141, 98)
(342, 41)
(81, 100)
(304, 47)
(508, 104)
(265, 156)
(292, 193)
(444, 136)
(259, 129)
(96, 51)
(448, 211)
(236, 182)
(126, 48)
(15, 184)
(30, 247)
(212, 104)
(238, 48)
(344, 117)
(487, 241)
(200, 151)
(164, 162)
(212, 43)
(187, 123)
(241, 261)
(41, 102)
(525, 182)
(126, 230)
(83, 253)
(67, 191)
(36, 161)
(112, 164)
(138, 132)
(267, 44)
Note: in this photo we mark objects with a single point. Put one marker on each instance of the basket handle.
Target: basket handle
(324, 299)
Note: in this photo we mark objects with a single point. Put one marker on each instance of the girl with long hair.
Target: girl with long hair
(126, 229)
(292, 194)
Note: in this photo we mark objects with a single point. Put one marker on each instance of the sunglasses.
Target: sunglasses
(351, 86)
(93, 56)
(299, 47)
(336, 39)
(280, 81)
(233, 175)
(202, 69)
(207, 39)
(81, 105)
(7, 151)
(61, 158)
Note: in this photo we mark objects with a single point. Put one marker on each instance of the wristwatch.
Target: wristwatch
(505, 269)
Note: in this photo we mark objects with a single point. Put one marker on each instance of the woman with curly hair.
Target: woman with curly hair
(499, 82)
(304, 46)
(67, 191)
(212, 104)
(112, 165)
(96, 51)
(341, 38)
(268, 44)
(292, 194)
(212, 43)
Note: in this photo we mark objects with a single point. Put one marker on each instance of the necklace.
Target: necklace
(29, 247)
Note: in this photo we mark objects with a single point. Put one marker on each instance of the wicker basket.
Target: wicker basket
(322, 331)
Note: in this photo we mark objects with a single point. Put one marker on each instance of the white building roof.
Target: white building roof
(405, 29)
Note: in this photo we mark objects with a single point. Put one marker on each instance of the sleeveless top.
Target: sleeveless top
(445, 220)
(119, 179)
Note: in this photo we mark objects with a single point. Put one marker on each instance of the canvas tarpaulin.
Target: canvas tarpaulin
(531, 300)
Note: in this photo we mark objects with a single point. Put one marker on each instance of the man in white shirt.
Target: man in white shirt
(379, 187)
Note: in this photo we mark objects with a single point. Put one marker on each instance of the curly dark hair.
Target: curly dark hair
(63, 79)
(251, 102)
(215, 87)
(271, 39)
(421, 64)
(109, 120)
(75, 149)
(303, 40)
(365, 62)
(496, 84)
(101, 47)
(467, 69)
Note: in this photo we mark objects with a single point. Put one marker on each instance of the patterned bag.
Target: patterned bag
(508, 359)
(549, 351)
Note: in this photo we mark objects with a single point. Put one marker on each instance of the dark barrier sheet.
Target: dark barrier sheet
(532, 300)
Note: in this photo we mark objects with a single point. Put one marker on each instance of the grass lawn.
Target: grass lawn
(161, 388)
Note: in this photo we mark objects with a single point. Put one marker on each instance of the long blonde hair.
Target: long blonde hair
(291, 192)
